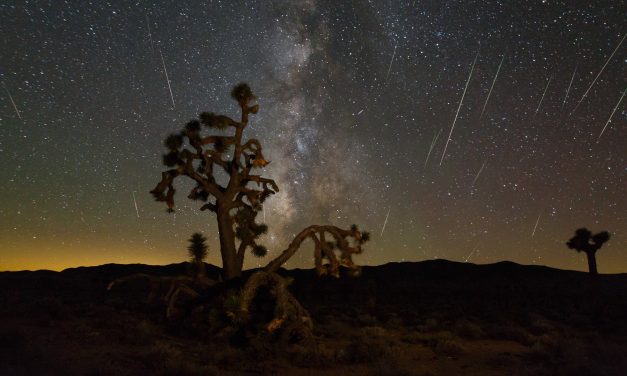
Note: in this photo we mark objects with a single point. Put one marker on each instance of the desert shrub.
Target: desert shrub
(503, 360)
(217, 319)
(185, 368)
(414, 337)
(231, 303)
(510, 333)
(374, 331)
(226, 356)
(53, 308)
(331, 327)
(446, 343)
(394, 321)
(133, 332)
(381, 368)
(429, 325)
(162, 357)
(312, 357)
(366, 319)
(366, 351)
(539, 325)
(144, 333)
(468, 329)
(545, 349)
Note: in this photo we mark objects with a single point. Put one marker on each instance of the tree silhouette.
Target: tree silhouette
(197, 250)
(584, 241)
(221, 166)
(235, 202)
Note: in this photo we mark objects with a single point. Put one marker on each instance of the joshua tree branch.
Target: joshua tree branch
(317, 233)
(263, 182)
(211, 187)
(241, 250)
(288, 309)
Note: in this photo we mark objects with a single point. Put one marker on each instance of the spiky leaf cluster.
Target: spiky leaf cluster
(584, 241)
(174, 142)
(241, 92)
(212, 120)
(259, 251)
(197, 248)
(248, 231)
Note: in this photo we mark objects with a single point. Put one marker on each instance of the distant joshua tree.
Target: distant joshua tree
(222, 168)
(198, 252)
(584, 241)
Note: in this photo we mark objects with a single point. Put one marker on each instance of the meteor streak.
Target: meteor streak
(536, 226)
(478, 173)
(458, 108)
(471, 253)
(601, 71)
(167, 78)
(386, 220)
(435, 139)
(391, 61)
(610, 119)
(569, 85)
(492, 87)
(12, 101)
(543, 94)
(135, 201)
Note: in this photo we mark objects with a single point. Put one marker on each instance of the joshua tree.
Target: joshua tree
(236, 197)
(590, 244)
(198, 252)
(234, 202)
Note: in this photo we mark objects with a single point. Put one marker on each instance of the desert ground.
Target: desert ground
(427, 318)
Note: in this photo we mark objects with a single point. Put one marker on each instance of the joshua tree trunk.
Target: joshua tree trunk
(231, 268)
(592, 262)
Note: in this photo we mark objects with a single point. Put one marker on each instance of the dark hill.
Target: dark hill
(500, 291)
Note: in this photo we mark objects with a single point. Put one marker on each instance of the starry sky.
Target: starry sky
(464, 130)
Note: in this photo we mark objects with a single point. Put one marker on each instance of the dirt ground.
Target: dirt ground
(433, 324)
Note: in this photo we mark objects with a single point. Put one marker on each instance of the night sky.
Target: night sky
(354, 96)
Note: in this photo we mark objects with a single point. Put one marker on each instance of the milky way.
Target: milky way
(353, 96)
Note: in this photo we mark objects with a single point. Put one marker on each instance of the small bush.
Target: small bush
(182, 368)
(227, 356)
(467, 329)
(312, 357)
(366, 319)
(547, 348)
(380, 368)
(414, 337)
(374, 331)
(429, 325)
(394, 321)
(54, 309)
(445, 343)
(539, 325)
(360, 351)
(510, 333)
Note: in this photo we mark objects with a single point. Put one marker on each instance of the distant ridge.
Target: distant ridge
(441, 265)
